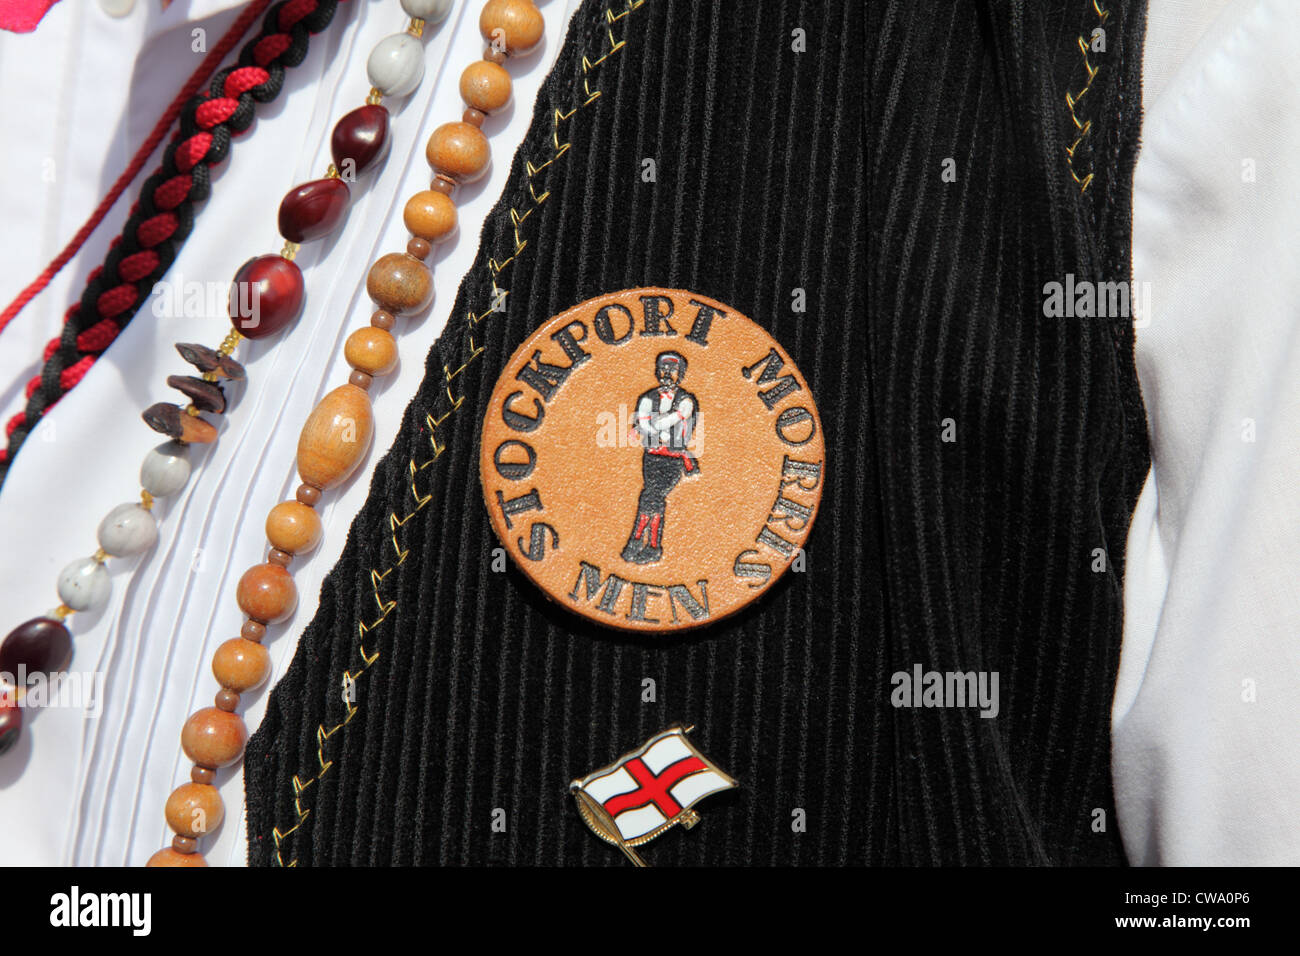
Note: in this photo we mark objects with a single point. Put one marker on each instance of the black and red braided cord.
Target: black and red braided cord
(161, 219)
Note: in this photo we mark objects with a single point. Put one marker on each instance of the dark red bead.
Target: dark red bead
(41, 646)
(361, 136)
(11, 719)
(267, 296)
(313, 209)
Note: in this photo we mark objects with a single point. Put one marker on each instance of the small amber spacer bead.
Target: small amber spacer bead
(360, 379)
(227, 700)
(419, 248)
(383, 320)
(253, 631)
(308, 495)
(282, 558)
(473, 117)
(184, 844)
(202, 774)
(443, 184)
(493, 55)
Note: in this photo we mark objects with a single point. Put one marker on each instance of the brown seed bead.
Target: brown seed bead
(485, 86)
(171, 857)
(419, 248)
(361, 379)
(252, 631)
(293, 527)
(213, 738)
(202, 774)
(282, 558)
(441, 184)
(371, 350)
(184, 844)
(474, 117)
(241, 665)
(493, 55)
(335, 437)
(194, 809)
(383, 320)
(308, 495)
(519, 21)
(399, 283)
(430, 214)
(266, 593)
(459, 151)
(226, 700)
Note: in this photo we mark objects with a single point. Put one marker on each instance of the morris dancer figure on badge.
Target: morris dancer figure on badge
(665, 423)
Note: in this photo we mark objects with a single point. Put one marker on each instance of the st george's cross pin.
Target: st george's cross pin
(648, 791)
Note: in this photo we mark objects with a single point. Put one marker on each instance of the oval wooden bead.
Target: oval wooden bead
(458, 150)
(313, 209)
(336, 437)
(485, 86)
(371, 350)
(519, 21)
(430, 215)
(41, 646)
(171, 857)
(399, 283)
(266, 593)
(194, 809)
(213, 738)
(241, 665)
(266, 296)
(293, 527)
(359, 139)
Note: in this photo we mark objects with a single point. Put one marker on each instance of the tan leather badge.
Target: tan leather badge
(652, 459)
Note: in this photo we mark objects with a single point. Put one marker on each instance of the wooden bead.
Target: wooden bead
(473, 117)
(441, 184)
(516, 25)
(335, 438)
(431, 215)
(202, 774)
(383, 320)
(493, 55)
(459, 151)
(419, 248)
(226, 700)
(293, 527)
(399, 283)
(184, 844)
(252, 631)
(213, 738)
(266, 593)
(360, 379)
(485, 86)
(371, 350)
(282, 558)
(241, 665)
(308, 495)
(194, 809)
(172, 857)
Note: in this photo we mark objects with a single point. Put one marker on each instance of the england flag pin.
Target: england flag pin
(648, 791)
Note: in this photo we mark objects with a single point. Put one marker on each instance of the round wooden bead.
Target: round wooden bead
(266, 296)
(173, 857)
(399, 283)
(485, 86)
(335, 437)
(266, 593)
(515, 24)
(458, 150)
(165, 469)
(293, 527)
(430, 215)
(213, 738)
(396, 65)
(127, 529)
(84, 585)
(371, 350)
(194, 809)
(241, 665)
(40, 646)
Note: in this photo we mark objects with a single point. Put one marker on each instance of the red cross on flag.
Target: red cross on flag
(645, 792)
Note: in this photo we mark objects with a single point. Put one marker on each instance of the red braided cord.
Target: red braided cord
(192, 87)
(167, 196)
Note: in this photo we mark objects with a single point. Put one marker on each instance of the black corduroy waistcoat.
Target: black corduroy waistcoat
(911, 168)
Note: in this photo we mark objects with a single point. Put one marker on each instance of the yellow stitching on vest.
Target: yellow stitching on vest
(301, 785)
(1083, 127)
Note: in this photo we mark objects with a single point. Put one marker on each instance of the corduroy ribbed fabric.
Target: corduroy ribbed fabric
(775, 170)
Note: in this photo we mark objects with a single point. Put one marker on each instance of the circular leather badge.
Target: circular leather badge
(652, 459)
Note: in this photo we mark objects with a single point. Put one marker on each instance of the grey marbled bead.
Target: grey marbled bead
(165, 470)
(84, 585)
(396, 64)
(430, 11)
(127, 529)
